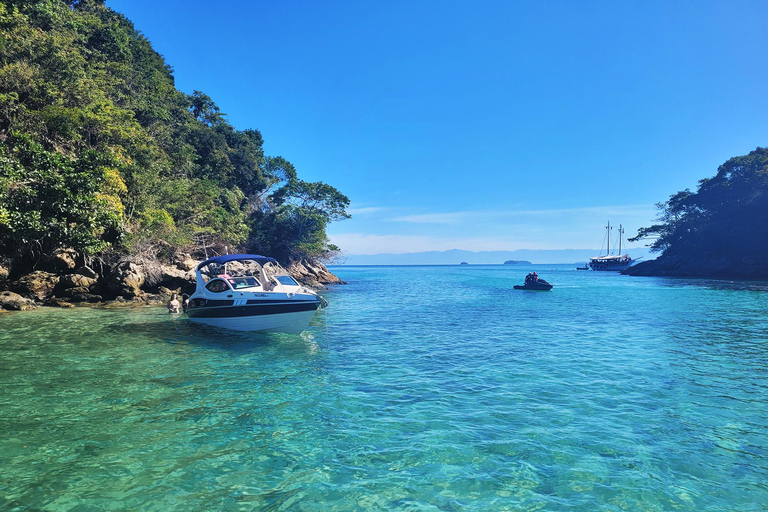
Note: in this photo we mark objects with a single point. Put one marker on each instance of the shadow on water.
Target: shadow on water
(156, 324)
(713, 284)
(233, 341)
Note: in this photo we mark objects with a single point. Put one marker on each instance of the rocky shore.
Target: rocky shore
(65, 280)
(681, 266)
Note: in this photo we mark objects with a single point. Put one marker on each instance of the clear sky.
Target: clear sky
(480, 125)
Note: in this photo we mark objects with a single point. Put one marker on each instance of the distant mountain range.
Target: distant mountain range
(457, 256)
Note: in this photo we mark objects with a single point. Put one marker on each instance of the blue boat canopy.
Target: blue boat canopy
(220, 260)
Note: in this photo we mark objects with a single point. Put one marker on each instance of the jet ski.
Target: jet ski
(534, 283)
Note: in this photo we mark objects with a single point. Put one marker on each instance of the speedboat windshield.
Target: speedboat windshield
(246, 271)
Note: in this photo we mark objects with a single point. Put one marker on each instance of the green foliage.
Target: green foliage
(295, 228)
(316, 198)
(49, 201)
(727, 217)
(93, 102)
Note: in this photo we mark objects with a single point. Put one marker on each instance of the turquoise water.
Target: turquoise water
(421, 389)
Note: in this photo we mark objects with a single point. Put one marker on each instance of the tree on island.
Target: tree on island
(720, 228)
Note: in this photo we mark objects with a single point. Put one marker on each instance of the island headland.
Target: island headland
(718, 231)
(114, 184)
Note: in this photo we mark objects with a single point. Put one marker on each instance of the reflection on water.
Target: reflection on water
(436, 388)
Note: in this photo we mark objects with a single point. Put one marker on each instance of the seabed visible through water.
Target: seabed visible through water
(424, 388)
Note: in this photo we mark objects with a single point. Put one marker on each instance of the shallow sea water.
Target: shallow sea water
(418, 389)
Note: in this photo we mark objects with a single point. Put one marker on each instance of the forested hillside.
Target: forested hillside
(99, 152)
(721, 230)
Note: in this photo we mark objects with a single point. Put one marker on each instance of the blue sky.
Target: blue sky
(489, 125)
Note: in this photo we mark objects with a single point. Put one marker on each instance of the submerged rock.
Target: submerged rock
(59, 303)
(87, 297)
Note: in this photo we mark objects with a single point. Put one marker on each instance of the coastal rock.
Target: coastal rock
(242, 268)
(126, 280)
(4, 272)
(63, 260)
(165, 292)
(185, 262)
(173, 278)
(38, 285)
(75, 281)
(15, 302)
(59, 303)
(146, 299)
(87, 272)
(717, 268)
(71, 292)
(86, 297)
(312, 274)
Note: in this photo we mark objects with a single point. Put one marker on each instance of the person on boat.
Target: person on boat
(173, 304)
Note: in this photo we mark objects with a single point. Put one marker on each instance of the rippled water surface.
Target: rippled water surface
(420, 388)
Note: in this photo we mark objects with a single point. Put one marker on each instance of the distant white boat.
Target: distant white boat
(611, 262)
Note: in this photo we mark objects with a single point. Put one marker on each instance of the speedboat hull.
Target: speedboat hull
(610, 267)
(274, 316)
(258, 295)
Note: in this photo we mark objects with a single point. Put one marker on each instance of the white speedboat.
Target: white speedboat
(247, 292)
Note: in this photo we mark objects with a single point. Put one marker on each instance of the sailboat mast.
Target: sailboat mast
(621, 232)
(608, 237)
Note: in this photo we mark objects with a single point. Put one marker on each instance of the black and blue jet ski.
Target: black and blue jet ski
(536, 284)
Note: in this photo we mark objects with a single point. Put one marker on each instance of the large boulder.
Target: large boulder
(185, 262)
(75, 281)
(38, 285)
(176, 279)
(126, 280)
(15, 302)
(87, 272)
(62, 261)
(313, 274)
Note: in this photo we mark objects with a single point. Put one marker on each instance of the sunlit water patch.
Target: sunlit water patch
(419, 388)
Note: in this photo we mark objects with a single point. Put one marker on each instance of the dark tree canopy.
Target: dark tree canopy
(99, 150)
(726, 218)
